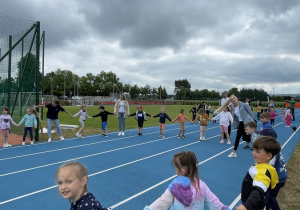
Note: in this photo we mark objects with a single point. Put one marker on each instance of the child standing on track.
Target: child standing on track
(273, 114)
(282, 114)
(194, 111)
(103, 114)
(261, 177)
(30, 121)
(82, 115)
(203, 118)
(5, 120)
(187, 191)
(288, 117)
(162, 120)
(181, 119)
(72, 184)
(140, 116)
(225, 118)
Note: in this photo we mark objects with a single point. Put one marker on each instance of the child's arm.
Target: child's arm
(211, 200)
(68, 113)
(188, 119)
(198, 118)
(97, 115)
(133, 114)
(175, 119)
(13, 122)
(35, 122)
(162, 202)
(78, 113)
(167, 116)
(23, 119)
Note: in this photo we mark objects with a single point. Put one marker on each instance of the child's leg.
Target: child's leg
(222, 132)
(6, 136)
(183, 129)
(180, 129)
(25, 133)
(203, 130)
(30, 133)
(3, 138)
(82, 126)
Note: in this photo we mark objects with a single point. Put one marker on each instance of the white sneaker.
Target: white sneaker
(77, 135)
(120, 134)
(203, 138)
(23, 143)
(49, 140)
(61, 138)
(8, 145)
(200, 139)
(5, 146)
(31, 142)
(123, 134)
(232, 155)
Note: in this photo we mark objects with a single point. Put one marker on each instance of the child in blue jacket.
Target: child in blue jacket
(30, 121)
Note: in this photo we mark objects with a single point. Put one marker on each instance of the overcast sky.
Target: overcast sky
(214, 44)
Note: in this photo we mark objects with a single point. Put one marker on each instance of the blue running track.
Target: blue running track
(127, 172)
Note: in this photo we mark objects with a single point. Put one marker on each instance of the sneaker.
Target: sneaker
(160, 135)
(179, 137)
(31, 142)
(123, 134)
(163, 136)
(8, 145)
(23, 143)
(77, 135)
(222, 141)
(229, 142)
(61, 138)
(120, 133)
(105, 135)
(49, 140)
(183, 136)
(200, 139)
(5, 146)
(80, 136)
(203, 138)
(232, 155)
(246, 147)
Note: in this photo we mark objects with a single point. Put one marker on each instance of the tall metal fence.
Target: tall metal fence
(21, 80)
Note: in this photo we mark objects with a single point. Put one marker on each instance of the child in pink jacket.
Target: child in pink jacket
(187, 191)
(273, 115)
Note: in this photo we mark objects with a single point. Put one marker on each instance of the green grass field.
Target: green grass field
(93, 126)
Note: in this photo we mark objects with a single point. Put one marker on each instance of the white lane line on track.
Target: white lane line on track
(86, 156)
(35, 192)
(66, 148)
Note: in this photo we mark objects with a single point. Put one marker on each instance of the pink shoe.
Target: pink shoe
(228, 142)
(222, 141)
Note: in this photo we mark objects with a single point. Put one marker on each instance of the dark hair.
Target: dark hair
(181, 110)
(188, 161)
(251, 125)
(265, 115)
(101, 107)
(56, 102)
(5, 108)
(267, 143)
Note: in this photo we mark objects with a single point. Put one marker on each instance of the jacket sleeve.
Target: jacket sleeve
(217, 117)
(255, 199)
(12, 121)
(210, 199)
(163, 202)
(167, 116)
(23, 119)
(78, 113)
(156, 115)
(97, 115)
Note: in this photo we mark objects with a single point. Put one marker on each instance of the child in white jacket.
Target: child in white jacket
(225, 118)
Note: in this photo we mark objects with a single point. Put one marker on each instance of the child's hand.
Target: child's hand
(17, 125)
(241, 207)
